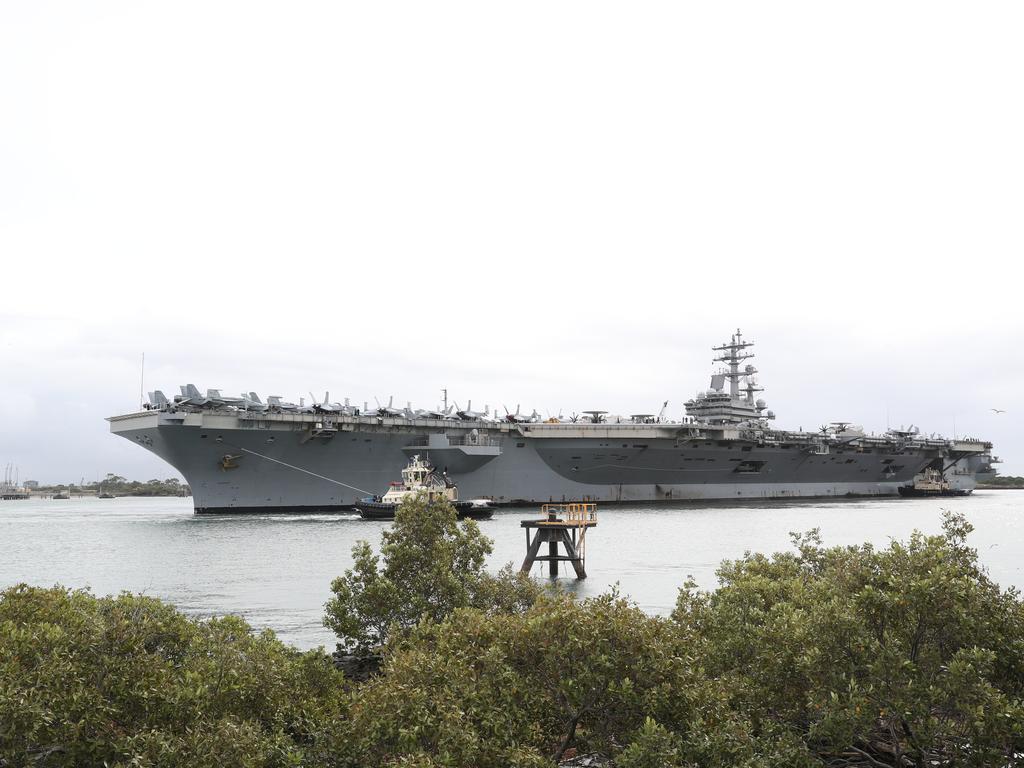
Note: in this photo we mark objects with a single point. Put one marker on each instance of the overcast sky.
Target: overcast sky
(561, 205)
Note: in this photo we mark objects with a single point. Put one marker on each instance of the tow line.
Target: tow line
(300, 469)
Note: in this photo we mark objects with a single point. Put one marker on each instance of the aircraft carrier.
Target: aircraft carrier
(245, 455)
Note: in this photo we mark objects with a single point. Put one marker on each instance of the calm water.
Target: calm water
(275, 570)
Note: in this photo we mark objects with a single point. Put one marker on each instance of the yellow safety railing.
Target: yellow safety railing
(578, 513)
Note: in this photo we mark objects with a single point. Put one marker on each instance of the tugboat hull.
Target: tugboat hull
(378, 510)
(910, 491)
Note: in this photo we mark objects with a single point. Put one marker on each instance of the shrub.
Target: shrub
(429, 566)
(907, 655)
(129, 680)
(519, 689)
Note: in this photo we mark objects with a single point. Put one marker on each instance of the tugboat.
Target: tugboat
(931, 483)
(420, 477)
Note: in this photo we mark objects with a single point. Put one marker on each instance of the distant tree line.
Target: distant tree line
(1003, 481)
(119, 486)
(902, 657)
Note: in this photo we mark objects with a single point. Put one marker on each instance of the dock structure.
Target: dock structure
(564, 524)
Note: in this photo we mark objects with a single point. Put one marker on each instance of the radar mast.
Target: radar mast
(732, 354)
(717, 407)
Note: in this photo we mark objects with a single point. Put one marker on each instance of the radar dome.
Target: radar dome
(761, 403)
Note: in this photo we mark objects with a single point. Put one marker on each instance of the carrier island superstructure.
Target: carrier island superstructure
(244, 455)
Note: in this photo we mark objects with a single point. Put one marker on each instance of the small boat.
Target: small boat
(105, 496)
(931, 482)
(421, 477)
(62, 496)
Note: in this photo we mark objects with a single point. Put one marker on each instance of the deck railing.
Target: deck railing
(577, 513)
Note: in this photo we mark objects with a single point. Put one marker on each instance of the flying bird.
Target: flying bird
(997, 410)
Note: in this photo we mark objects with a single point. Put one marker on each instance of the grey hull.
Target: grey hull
(269, 463)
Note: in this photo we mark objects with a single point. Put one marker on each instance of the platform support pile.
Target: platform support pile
(564, 524)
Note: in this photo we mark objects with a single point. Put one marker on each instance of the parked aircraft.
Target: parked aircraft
(190, 396)
(252, 402)
(387, 411)
(276, 404)
(157, 401)
(517, 418)
(217, 400)
(470, 415)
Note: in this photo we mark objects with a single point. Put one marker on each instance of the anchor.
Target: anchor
(227, 461)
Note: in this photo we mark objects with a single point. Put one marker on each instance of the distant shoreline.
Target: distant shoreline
(93, 495)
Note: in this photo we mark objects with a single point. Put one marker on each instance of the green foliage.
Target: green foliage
(119, 486)
(519, 689)
(129, 681)
(906, 654)
(653, 747)
(1003, 481)
(429, 566)
(844, 656)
